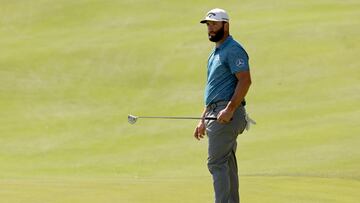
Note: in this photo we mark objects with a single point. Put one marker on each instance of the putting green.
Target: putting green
(71, 72)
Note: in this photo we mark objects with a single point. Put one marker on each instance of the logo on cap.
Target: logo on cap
(211, 15)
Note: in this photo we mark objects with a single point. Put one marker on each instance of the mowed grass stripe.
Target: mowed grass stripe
(255, 189)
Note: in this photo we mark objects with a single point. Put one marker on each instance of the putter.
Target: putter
(132, 119)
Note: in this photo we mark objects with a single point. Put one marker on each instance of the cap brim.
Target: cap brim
(212, 19)
(205, 20)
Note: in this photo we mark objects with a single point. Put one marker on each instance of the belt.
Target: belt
(221, 103)
(216, 104)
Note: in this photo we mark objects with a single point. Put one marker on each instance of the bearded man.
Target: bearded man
(228, 81)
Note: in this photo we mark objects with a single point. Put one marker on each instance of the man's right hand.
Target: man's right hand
(200, 130)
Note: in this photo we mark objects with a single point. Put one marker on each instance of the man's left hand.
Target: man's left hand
(225, 116)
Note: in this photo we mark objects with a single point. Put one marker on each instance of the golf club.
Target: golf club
(132, 119)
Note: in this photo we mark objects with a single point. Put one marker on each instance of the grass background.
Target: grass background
(71, 71)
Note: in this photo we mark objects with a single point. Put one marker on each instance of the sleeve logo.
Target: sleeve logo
(239, 62)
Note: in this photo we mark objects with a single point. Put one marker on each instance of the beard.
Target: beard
(218, 35)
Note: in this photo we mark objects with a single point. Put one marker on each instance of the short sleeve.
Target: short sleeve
(237, 59)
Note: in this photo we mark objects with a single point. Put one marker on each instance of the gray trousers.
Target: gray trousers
(221, 153)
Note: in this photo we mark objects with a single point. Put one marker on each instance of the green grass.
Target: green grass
(71, 71)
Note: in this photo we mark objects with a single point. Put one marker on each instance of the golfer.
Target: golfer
(228, 81)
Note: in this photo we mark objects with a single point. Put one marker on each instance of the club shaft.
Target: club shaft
(171, 117)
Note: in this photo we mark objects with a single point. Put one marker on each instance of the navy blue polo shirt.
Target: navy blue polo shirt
(224, 61)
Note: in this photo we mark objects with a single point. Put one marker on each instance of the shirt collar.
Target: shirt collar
(226, 42)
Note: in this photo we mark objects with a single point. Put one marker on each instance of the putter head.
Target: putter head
(132, 119)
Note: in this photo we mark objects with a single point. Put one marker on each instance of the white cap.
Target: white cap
(216, 14)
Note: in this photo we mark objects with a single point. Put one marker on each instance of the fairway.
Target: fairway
(72, 71)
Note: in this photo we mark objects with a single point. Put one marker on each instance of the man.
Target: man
(228, 81)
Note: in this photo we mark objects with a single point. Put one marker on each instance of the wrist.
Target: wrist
(230, 108)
